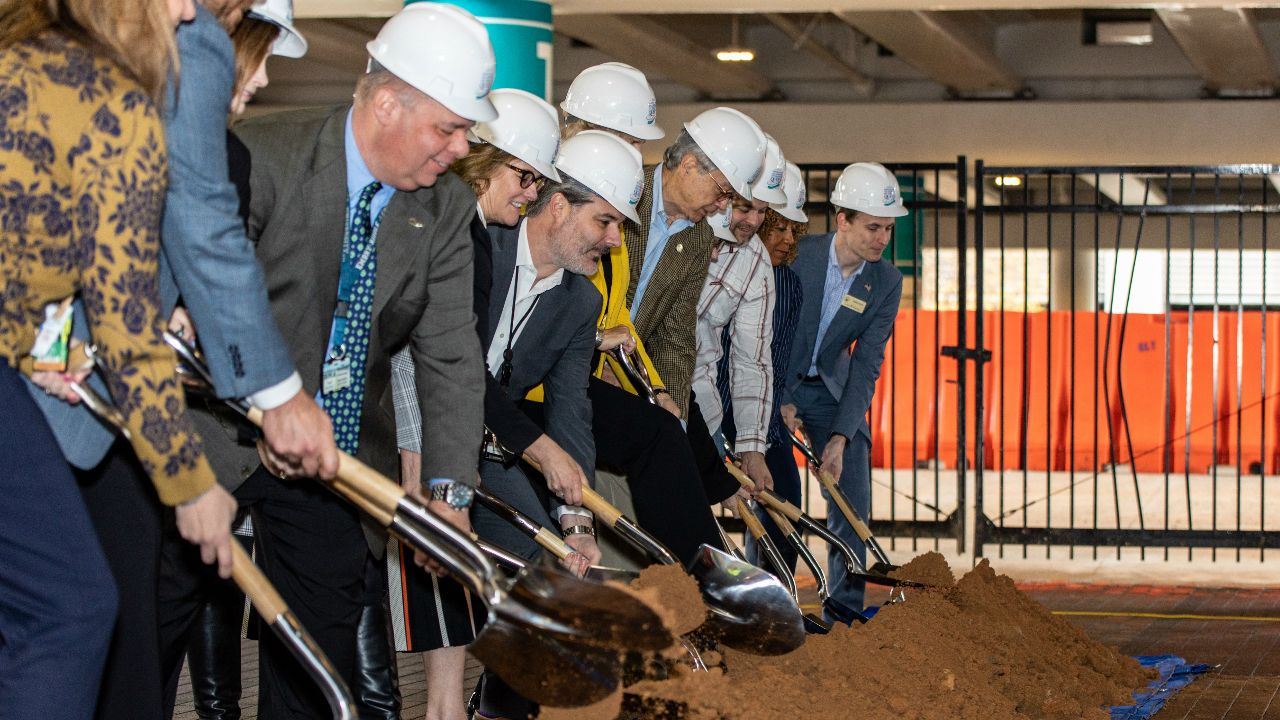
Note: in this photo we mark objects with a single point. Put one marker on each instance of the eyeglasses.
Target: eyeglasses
(724, 193)
(528, 177)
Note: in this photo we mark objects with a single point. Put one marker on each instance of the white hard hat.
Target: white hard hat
(793, 187)
(527, 127)
(734, 143)
(442, 50)
(290, 42)
(869, 188)
(720, 224)
(769, 187)
(606, 164)
(616, 96)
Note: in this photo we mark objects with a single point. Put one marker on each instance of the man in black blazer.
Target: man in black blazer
(316, 176)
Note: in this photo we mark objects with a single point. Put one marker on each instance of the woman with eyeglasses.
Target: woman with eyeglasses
(508, 163)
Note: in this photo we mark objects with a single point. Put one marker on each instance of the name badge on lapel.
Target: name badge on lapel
(336, 375)
(855, 304)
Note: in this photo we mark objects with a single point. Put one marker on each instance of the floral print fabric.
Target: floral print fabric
(82, 186)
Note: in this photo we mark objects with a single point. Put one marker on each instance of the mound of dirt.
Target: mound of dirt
(927, 569)
(976, 650)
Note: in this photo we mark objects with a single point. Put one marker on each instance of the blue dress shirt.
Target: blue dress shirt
(659, 233)
(834, 288)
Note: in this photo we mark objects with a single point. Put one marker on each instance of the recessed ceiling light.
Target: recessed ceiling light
(1008, 180)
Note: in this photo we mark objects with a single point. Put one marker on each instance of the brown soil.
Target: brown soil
(670, 591)
(928, 569)
(607, 708)
(977, 650)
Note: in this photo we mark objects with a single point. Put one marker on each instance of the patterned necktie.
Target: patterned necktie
(344, 405)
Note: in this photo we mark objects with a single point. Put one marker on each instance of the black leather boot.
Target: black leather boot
(377, 690)
(495, 700)
(213, 656)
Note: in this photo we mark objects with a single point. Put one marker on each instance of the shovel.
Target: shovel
(543, 618)
(812, 623)
(258, 589)
(882, 566)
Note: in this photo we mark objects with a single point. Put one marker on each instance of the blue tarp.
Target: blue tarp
(1175, 674)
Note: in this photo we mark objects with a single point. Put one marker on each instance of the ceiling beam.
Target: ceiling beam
(954, 49)
(1126, 189)
(655, 48)
(1224, 46)
(804, 40)
(589, 7)
(346, 8)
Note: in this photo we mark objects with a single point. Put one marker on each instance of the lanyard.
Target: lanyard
(351, 269)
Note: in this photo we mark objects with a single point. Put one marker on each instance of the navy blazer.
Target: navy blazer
(849, 372)
(555, 348)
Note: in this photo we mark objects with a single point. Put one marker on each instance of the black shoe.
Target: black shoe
(213, 657)
(377, 690)
(499, 702)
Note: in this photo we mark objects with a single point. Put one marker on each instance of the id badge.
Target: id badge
(336, 375)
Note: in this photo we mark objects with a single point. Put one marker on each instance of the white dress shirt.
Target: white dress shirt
(518, 303)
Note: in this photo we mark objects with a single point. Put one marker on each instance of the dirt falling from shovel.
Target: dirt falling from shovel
(670, 591)
(927, 569)
(977, 650)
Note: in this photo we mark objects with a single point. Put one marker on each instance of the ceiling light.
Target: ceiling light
(1008, 180)
(736, 51)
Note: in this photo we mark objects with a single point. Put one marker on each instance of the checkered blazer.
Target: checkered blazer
(667, 321)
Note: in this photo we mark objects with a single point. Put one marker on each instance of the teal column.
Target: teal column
(522, 41)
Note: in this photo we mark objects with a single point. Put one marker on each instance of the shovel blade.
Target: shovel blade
(544, 668)
(750, 610)
(597, 614)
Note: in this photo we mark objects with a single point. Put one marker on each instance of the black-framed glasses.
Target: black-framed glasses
(528, 177)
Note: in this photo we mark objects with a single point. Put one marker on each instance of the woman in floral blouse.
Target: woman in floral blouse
(82, 183)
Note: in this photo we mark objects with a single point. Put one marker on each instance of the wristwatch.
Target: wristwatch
(456, 495)
(599, 336)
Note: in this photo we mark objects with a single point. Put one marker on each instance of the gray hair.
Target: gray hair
(379, 77)
(573, 191)
(685, 145)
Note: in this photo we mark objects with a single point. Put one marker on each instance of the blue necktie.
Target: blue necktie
(344, 405)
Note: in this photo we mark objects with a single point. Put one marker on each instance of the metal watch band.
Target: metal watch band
(579, 530)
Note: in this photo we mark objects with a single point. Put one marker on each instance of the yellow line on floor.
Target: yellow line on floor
(1167, 616)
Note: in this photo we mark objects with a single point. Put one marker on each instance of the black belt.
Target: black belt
(808, 378)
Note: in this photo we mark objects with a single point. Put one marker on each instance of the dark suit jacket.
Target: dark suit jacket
(849, 373)
(422, 295)
(555, 348)
(667, 322)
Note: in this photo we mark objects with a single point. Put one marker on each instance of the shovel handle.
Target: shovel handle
(842, 503)
(750, 520)
(255, 585)
(602, 508)
(780, 520)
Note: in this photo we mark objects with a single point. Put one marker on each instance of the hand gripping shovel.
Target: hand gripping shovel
(882, 566)
(543, 618)
(259, 590)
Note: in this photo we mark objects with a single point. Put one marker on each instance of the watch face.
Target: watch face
(459, 496)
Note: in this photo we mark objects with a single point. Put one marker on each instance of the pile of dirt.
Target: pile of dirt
(927, 569)
(978, 649)
(670, 591)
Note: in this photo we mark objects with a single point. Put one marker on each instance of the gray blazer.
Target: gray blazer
(849, 374)
(422, 298)
(555, 348)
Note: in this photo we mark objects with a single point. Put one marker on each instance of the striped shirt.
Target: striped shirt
(737, 296)
(786, 316)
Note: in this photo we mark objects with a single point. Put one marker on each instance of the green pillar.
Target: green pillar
(520, 31)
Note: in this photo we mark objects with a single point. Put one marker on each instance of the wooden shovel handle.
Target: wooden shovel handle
(771, 501)
(591, 500)
(255, 585)
(833, 489)
(553, 543)
(780, 520)
(750, 520)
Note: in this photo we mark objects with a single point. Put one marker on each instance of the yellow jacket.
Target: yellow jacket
(614, 311)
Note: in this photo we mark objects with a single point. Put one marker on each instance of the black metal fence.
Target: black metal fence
(1099, 367)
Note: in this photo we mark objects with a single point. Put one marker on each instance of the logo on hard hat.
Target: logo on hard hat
(636, 193)
(775, 178)
(800, 200)
(890, 194)
(755, 175)
(653, 111)
(486, 83)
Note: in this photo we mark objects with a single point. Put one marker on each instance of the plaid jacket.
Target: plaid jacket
(667, 321)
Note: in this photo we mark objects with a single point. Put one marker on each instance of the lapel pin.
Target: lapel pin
(867, 286)
(679, 247)
(418, 224)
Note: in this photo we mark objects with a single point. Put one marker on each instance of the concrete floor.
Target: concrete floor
(1235, 629)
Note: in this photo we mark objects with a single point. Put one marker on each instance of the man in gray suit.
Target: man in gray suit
(850, 297)
(365, 246)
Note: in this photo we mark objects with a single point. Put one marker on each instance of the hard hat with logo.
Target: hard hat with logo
(290, 42)
(769, 187)
(527, 127)
(720, 225)
(606, 164)
(734, 143)
(869, 188)
(616, 96)
(442, 50)
(793, 187)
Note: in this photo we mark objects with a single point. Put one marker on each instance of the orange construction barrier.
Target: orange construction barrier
(1146, 406)
(1253, 377)
(1018, 422)
(1195, 330)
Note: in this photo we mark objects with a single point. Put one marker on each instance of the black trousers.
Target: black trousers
(127, 516)
(312, 549)
(648, 445)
